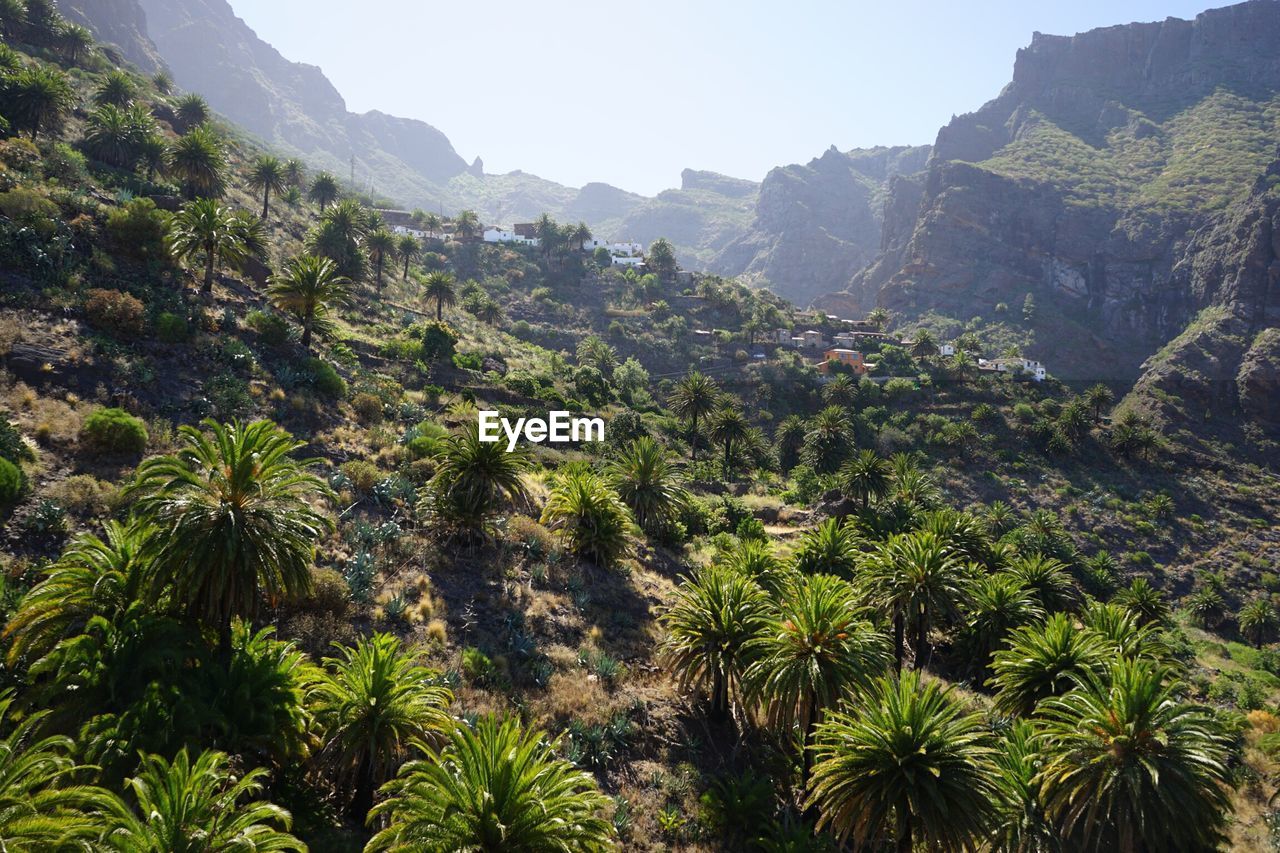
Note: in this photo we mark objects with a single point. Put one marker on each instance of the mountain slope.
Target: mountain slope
(816, 225)
(1080, 184)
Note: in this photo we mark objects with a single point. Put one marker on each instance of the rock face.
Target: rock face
(292, 105)
(120, 23)
(815, 225)
(1226, 364)
(1082, 184)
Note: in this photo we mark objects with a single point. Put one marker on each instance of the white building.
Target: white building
(844, 340)
(946, 349)
(403, 229)
(812, 339)
(628, 261)
(782, 336)
(1025, 366)
(494, 234)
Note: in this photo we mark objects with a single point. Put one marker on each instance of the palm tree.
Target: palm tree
(716, 613)
(472, 479)
(817, 649)
(925, 345)
(1144, 601)
(589, 514)
(1258, 621)
(93, 577)
(494, 789)
(1125, 633)
(907, 764)
(842, 391)
(661, 258)
(916, 581)
(188, 807)
(1207, 607)
(695, 396)
(831, 548)
(1048, 581)
(1042, 661)
(382, 246)
(729, 428)
(465, 225)
(43, 806)
(234, 520)
(407, 248)
(338, 234)
(37, 98)
(163, 82)
(1098, 397)
(267, 175)
(998, 604)
(112, 137)
(755, 559)
(827, 442)
(789, 439)
(649, 484)
(324, 190)
(309, 288)
(440, 287)
(1130, 767)
(75, 40)
(865, 477)
(1021, 824)
(432, 223)
(13, 17)
(879, 317)
(579, 235)
(375, 702)
(192, 111)
(117, 89)
(211, 232)
(198, 161)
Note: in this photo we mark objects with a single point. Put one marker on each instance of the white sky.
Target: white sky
(630, 93)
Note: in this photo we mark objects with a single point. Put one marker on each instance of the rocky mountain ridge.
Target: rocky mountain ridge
(1082, 186)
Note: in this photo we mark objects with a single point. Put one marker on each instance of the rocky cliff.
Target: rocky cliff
(1082, 184)
(816, 224)
(1224, 367)
(121, 24)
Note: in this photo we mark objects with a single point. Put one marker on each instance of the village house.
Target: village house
(946, 349)
(840, 355)
(810, 339)
(844, 340)
(1014, 366)
(782, 336)
(628, 261)
(493, 234)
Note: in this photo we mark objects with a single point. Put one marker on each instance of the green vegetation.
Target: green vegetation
(271, 589)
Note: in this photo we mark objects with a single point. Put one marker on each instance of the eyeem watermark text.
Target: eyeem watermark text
(556, 428)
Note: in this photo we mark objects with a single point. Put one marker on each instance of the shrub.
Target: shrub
(272, 329)
(324, 379)
(437, 338)
(467, 361)
(23, 204)
(171, 328)
(12, 483)
(114, 312)
(85, 495)
(368, 407)
(329, 592)
(12, 447)
(477, 667)
(114, 431)
(363, 475)
(64, 164)
(137, 230)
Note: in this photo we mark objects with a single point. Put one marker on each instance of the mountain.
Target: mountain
(296, 109)
(1081, 185)
(817, 224)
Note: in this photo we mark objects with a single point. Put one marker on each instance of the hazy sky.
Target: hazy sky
(632, 92)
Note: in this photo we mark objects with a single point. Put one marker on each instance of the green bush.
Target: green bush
(12, 483)
(271, 328)
(324, 379)
(137, 229)
(12, 447)
(114, 431)
(171, 328)
(114, 312)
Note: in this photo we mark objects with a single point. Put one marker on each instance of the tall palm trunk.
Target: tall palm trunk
(922, 637)
(363, 800)
(904, 833)
(899, 638)
(719, 696)
(306, 329)
(210, 257)
(266, 203)
(693, 438)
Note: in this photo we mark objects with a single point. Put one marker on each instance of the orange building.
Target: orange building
(850, 357)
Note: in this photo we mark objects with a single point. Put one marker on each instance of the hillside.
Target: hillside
(1080, 185)
(818, 223)
(264, 584)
